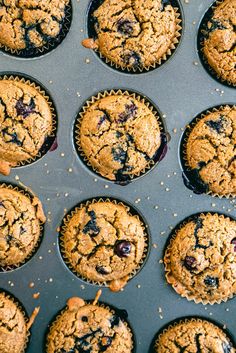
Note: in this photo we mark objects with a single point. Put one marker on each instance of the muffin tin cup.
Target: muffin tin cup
(53, 43)
(182, 320)
(167, 254)
(200, 42)
(123, 315)
(131, 211)
(50, 140)
(165, 136)
(22, 309)
(188, 175)
(29, 194)
(95, 4)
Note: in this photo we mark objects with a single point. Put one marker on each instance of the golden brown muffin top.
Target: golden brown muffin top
(20, 219)
(135, 34)
(119, 136)
(25, 122)
(200, 260)
(30, 23)
(211, 150)
(194, 335)
(220, 41)
(103, 242)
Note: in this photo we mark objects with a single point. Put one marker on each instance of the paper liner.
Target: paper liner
(165, 137)
(186, 169)
(40, 89)
(52, 44)
(183, 320)
(173, 46)
(200, 44)
(131, 211)
(20, 306)
(111, 309)
(167, 263)
(30, 195)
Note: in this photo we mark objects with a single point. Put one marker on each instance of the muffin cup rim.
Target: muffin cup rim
(182, 155)
(164, 134)
(24, 190)
(167, 254)
(131, 210)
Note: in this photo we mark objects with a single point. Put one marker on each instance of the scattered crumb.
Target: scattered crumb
(175, 130)
(156, 207)
(66, 194)
(154, 245)
(161, 261)
(50, 280)
(195, 63)
(137, 200)
(213, 205)
(87, 60)
(36, 295)
(78, 94)
(62, 154)
(95, 179)
(31, 285)
(40, 257)
(175, 214)
(162, 182)
(82, 287)
(106, 186)
(50, 81)
(17, 177)
(138, 286)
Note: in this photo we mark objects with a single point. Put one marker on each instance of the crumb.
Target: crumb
(87, 60)
(154, 245)
(70, 170)
(31, 285)
(17, 177)
(36, 295)
(161, 261)
(137, 200)
(62, 154)
(106, 186)
(138, 286)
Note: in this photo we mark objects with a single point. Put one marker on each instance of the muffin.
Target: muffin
(29, 26)
(103, 242)
(26, 122)
(200, 259)
(219, 43)
(119, 136)
(84, 327)
(14, 326)
(135, 35)
(193, 335)
(210, 151)
(20, 219)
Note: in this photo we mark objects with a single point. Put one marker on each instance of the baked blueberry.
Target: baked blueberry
(190, 263)
(125, 26)
(25, 109)
(122, 248)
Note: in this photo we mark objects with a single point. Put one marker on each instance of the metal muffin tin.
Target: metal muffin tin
(181, 88)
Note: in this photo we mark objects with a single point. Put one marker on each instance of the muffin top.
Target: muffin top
(119, 136)
(103, 242)
(220, 38)
(194, 335)
(211, 151)
(25, 122)
(200, 260)
(135, 34)
(88, 328)
(20, 219)
(13, 329)
(26, 24)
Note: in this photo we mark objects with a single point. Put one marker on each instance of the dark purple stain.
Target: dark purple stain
(234, 243)
(54, 145)
(130, 112)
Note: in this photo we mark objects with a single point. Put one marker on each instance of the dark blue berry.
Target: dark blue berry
(130, 112)
(14, 137)
(101, 120)
(211, 281)
(84, 318)
(91, 227)
(124, 26)
(234, 243)
(217, 125)
(25, 109)
(190, 263)
(101, 270)
(132, 59)
(115, 321)
(119, 155)
(122, 248)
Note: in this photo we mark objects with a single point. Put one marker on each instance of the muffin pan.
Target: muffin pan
(181, 89)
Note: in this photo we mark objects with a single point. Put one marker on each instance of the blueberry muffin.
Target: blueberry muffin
(20, 220)
(219, 44)
(119, 136)
(102, 242)
(30, 24)
(135, 34)
(26, 122)
(210, 151)
(93, 328)
(193, 335)
(200, 260)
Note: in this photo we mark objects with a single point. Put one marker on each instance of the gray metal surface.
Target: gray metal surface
(181, 90)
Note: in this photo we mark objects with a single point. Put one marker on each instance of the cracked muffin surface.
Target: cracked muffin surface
(103, 242)
(88, 328)
(135, 34)
(211, 153)
(119, 136)
(20, 219)
(26, 24)
(193, 335)
(200, 260)
(25, 123)
(219, 46)
(13, 329)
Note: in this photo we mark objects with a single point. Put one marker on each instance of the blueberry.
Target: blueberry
(193, 182)
(130, 112)
(14, 137)
(9, 237)
(124, 26)
(132, 59)
(22, 230)
(91, 227)
(115, 321)
(25, 109)
(101, 120)
(119, 154)
(227, 347)
(54, 146)
(217, 125)
(122, 248)
(84, 318)
(165, 3)
(101, 270)
(234, 243)
(190, 263)
(105, 343)
(211, 281)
